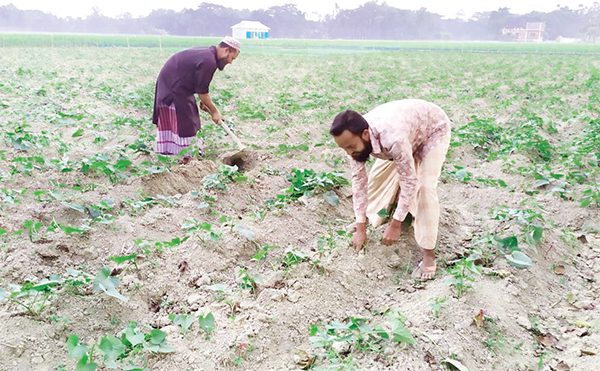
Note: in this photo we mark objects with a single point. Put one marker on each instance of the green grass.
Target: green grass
(275, 46)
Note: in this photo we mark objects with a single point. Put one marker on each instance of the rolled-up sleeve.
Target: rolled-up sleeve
(360, 197)
(401, 153)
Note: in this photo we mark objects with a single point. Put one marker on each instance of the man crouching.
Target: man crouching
(409, 139)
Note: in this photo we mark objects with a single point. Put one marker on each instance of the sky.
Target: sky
(447, 8)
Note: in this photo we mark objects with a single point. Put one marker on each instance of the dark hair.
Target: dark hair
(225, 45)
(348, 120)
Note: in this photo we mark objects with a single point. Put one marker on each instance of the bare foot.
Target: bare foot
(186, 160)
(424, 272)
(426, 268)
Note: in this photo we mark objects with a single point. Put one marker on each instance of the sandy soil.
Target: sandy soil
(542, 318)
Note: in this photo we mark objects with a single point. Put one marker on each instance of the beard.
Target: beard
(363, 155)
(221, 63)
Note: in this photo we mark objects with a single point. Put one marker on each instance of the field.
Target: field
(115, 258)
(279, 46)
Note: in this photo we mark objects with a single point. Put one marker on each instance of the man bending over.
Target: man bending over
(409, 139)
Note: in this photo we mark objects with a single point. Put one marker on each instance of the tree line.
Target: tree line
(371, 21)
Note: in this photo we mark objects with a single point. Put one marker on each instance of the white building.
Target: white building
(250, 30)
(533, 31)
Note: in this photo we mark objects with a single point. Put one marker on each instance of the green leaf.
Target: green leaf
(158, 342)
(93, 212)
(185, 321)
(519, 259)
(455, 364)
(347, 338)
(383, 214)
(74, 349)
(217, 287)
(379, 330)
(261, 254)
(157, 336)
(78, 133)
(110, 364)
(506, 245)
(174, 242)
(537, 234)
(364, 327)
(299, 255)
(83, 364)
(123, 164)
(104, 282)
(111, 346)
(533, 238)
(122, 259)
(401, 333)
(463, 175)
(338, 326)
(585, 202)
(244, 232)
(331, 198)
(214, 237)
(134, 338)
(165, 348)
(68, 229)
(207, 323)
(46, 283)
(20, 144)
(152, 347)
(319, 341)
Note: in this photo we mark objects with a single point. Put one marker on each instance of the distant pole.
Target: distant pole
(127, 42)
(160, 43)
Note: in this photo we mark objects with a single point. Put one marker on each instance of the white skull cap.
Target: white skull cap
(232, 42)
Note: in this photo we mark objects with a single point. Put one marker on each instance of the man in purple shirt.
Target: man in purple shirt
(187, 73)
(410, 139)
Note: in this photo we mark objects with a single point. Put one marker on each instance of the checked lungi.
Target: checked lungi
(168, 141)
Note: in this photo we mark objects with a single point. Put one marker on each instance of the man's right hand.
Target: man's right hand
(216, 116)
(204, 107)
(360, 236)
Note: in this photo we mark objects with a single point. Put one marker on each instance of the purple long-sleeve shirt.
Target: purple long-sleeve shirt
(183, 75)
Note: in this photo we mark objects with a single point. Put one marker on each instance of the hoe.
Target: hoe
(238, 157)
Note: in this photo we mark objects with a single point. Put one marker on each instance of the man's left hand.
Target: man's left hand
(392, 232)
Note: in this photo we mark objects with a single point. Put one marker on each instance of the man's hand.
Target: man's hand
(204, 107)
(216, 116)
(392, 232)
(206, 104)
(360, 236)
